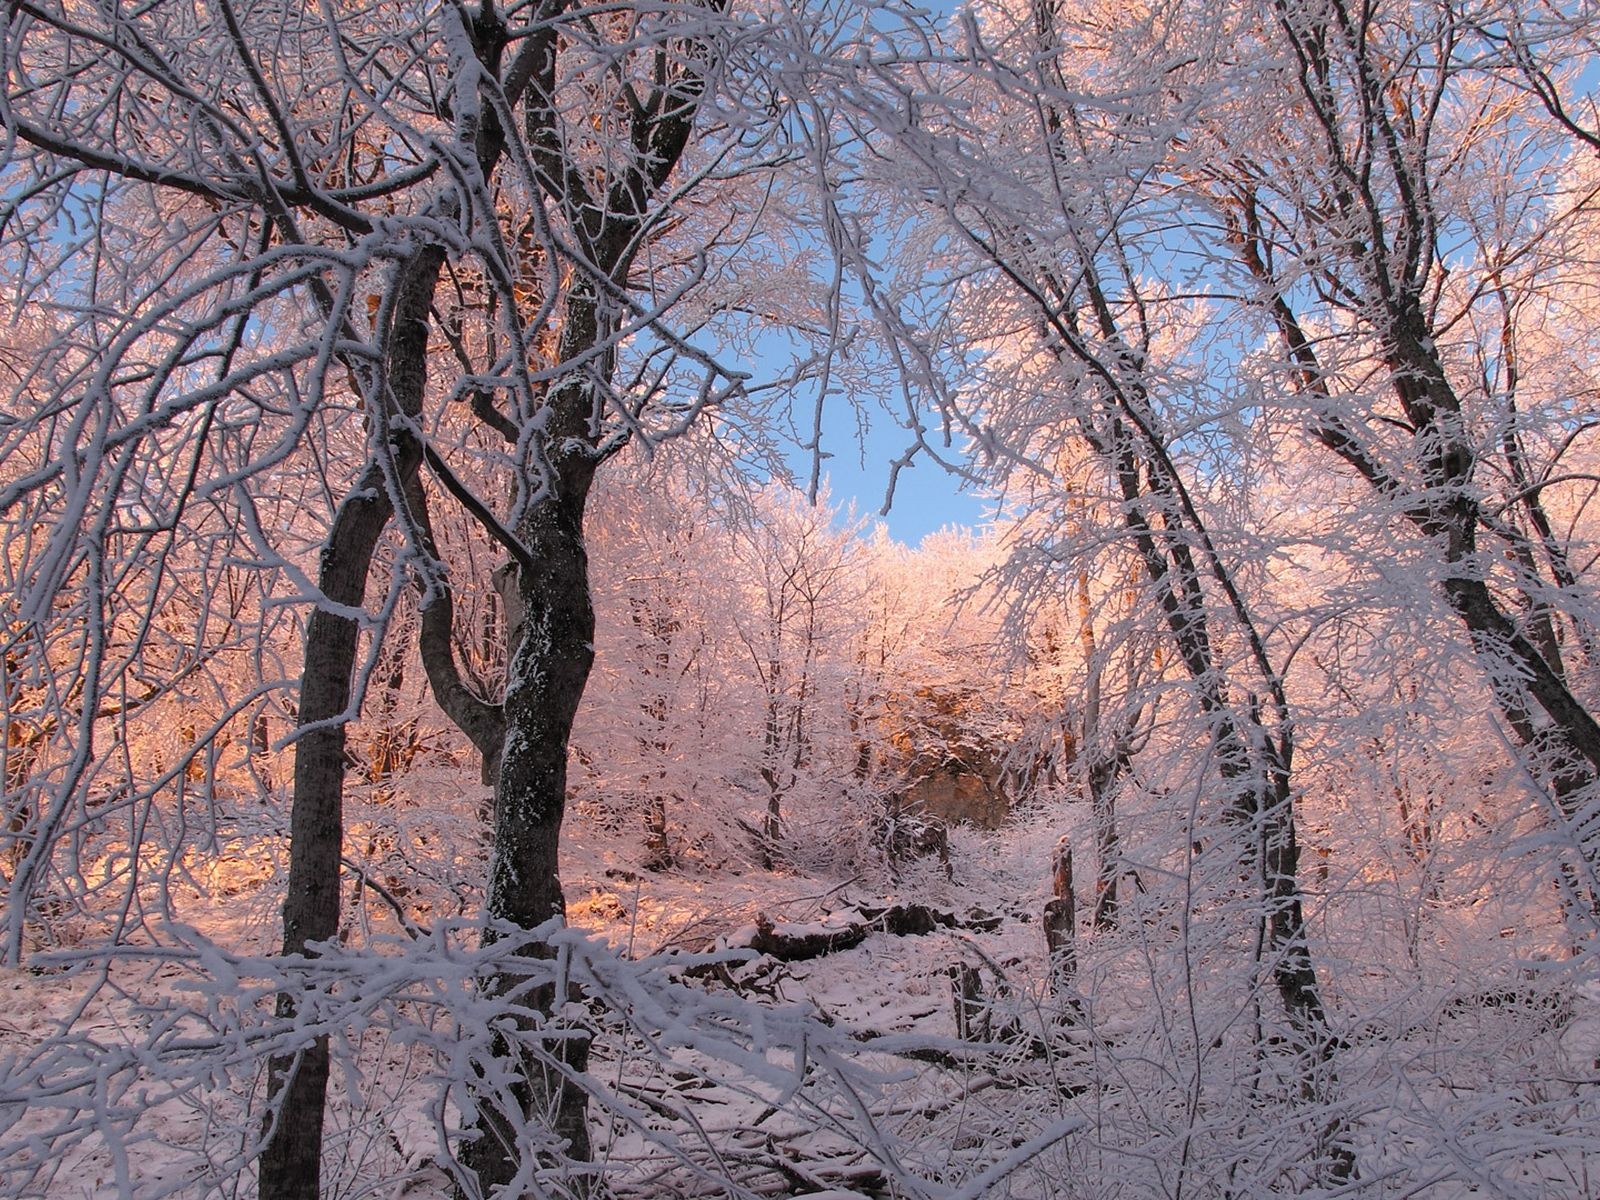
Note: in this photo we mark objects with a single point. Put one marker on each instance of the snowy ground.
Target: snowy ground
(839, 1075)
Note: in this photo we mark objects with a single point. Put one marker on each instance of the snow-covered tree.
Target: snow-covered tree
(405, 258)
(1397, 212)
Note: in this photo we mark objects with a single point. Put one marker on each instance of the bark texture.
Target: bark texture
(1061, 920)
(290, 1164)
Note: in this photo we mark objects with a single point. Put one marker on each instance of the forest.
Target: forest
(456, 744)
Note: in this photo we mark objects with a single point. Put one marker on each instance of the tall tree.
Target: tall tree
(409, 256)
(1040, 168)
(1412, 133)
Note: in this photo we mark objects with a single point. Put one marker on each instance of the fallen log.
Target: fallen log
(798, 943)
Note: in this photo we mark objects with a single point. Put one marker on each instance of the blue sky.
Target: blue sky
(926, 496)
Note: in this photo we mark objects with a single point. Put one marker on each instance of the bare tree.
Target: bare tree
(432, 255)
(798, 568)
(1345, 228)
(1075, 345)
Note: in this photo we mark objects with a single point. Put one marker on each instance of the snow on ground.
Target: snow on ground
(1486, 1087)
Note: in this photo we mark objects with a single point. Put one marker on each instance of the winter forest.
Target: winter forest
(456, 745)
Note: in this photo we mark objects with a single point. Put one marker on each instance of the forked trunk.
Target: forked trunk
(552, 653)
(290, 1165)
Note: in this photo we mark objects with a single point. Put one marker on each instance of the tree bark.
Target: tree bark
(483, 722)
(290, 1163)
(549, 670)
(1252, 757)
(1529, 688)
(974, 1022)
(1061, 920)
(551, 622)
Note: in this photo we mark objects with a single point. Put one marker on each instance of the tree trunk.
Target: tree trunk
(549, 669)
(1107, 756)
(974, 1022)
(1061, 920)
(1175, 547)
(548, 674)
(290, 1166)
(771, 748)
(483, 722)
(297, 1084)
(551, 639)
(1530, 690)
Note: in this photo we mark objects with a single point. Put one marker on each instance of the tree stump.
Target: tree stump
(972, 1012)
(1060, 921)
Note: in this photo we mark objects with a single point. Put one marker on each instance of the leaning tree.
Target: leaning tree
(1033, 169)
(1398, 187)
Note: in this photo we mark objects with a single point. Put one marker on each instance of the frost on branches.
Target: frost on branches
(444, 754)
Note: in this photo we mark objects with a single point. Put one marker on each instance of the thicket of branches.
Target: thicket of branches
(377, 374)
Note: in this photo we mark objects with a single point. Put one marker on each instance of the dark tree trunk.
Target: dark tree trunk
(1390, 273)
(1292, 968)
(548, 671)
(657, 838)
(974, 1021)
(1103, 773)
(551, 638)
(771, 773)
(1175, 547)
(1529, 687)
(1107, 756)
(290, 1165)
(1061, 920)
(1253, 763)
(482, 721)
